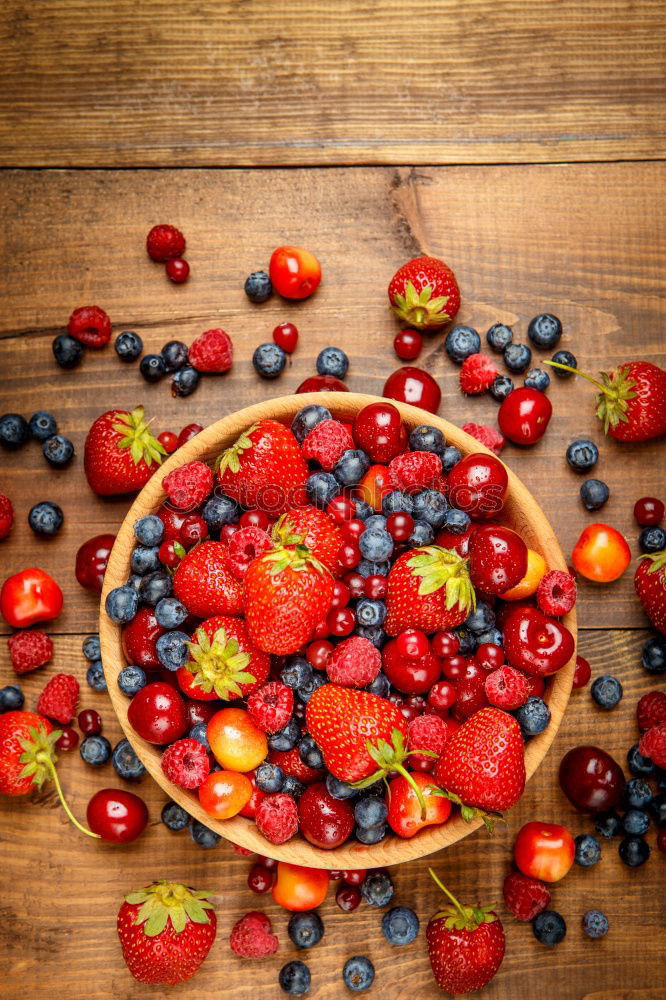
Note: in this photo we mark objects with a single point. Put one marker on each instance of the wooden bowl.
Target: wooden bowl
(521, 512)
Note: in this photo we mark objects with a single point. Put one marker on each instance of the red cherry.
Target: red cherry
(356, 584)
(89, 721)
(379, 431)
(285, 335)
(173, 521)
(341, 509)
(376, 588)
(591, 779)
(341, 595)
(536, 685)
(199, 711)
(194, 529)
(413, 644)
(544, 851)
(535, 643)
(139, 638)
(497, 558)
(254, 519)
(91, 561)
(454, 667)
(445, 644)
(355, 876)
(177, 270)
(524, 416)
(470, 694)
(648, 511)
(322, 383)
(400, 526)
(407, 344)
(442, 695)
(295, 273)
(269, 863)
(477, 485)
(352, 530)
(348, 898)
(489, 656)
(409, 675)
(260, 879)
(341, 621)
(167, 555)
(169, 441)
(349, 555)
(157, 713)
(318, 652)
(118, 817)
(324, 821)
(408, 712)
(458, 543)
(250, 808)
(582, 672)
(415, 386)
(68, 739)
(187, 433)
(227, 531)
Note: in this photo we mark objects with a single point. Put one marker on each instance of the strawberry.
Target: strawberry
(465, 945)
(224, 660)
(291, 763)
(286, 594)
(264, 468)
(204, 583)
(59, 697)
(166, 930)
(29, 650)
(424, 293)
(313, 528)
(632, 399)
(121, 452)
(428, 589)
(650, 584)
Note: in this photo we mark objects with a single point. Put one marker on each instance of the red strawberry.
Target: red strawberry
(313, 528)
(428, 589)
(478, 372)
(291, 763)
(224, 661)
(121, 452)
(650, 584)
(465, 945)
(29, 650)
(212, 351)
(286, 594)
(204, 583)
(424, 293)
(59, 697)
(166, 930)
(264, 468)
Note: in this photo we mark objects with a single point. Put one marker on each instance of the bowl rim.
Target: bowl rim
(240, 830)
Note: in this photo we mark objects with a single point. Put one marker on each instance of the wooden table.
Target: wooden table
(536, 143)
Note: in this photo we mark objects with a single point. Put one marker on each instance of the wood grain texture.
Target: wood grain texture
(61, 891)
(259, 82)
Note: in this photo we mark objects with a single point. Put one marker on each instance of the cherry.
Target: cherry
(173, 521)
(157, 713)
(648, 511)
(400, 526)
(68, 739)
(536, 684)
(341, 594)
(139, 638)
(379, 431)
(260, 879)
(415, 386)
(198, 712)
(535, 643)
(357, 584)
(251, 806)
(601, 554)
(470, 695)
(349, 555)
(442, 695)
(497, 558)
(413, 644)
(457, 543)
(269, 863)
(285, 335)
(318, 652)
(295, 273)
(193, 530)
(454, 667)
(341, 509)
(341, 621)
(477, 485)
(348, 898)
(117, 816)
(169, 441)
(582, 672)
(322, 383)
(411, 676)
(524, 416)
(254, 519)
(227, 531)
(89, 721)
(167, 554)
(187, 433)
(376, 587)
(591, 780)
(91, 561)
(177, 270)
(324, 821)
(489, 656)
(407, 344)
(445, 644)
(355, 876)
(352, 530)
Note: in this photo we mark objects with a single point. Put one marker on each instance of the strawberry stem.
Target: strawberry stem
(447, 893)
(417, 791)
(44, 759)
(576, 371)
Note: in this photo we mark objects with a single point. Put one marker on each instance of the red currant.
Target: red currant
(89, 721)
(341, 621)
(379, 431)
(227, 531)
(254, 519)
(318, 652)
(415, 386)
(285, 335)
(400, 526)
(489, 656)
(321, 630)
(169, 441)
(376, 588)
(413, 644)
(341, 509)
(349, 555)
(454, 667)
(648, 511)
(582, 672)
(445, 644)
(407, 344)
(348, 898)
(68, 739)
(167, 555)
(357, 584)
(194, 529)
(269, 863)
(355, 876)
(341, 595)
(178, 270)
(442, 695)
(352, 530)
(470, 696)
(260, 879)
(188, 432)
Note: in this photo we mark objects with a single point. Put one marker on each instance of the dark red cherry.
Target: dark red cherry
(139, 638)
(497, 558)
(91, 561)
(524, 416)
(118, 817)
(407, 344)
(411, 676)
(324, 821)
(591, 780)
(535, 643)
(415, 386)
(157, 713)
(322, 383)
(379, 431)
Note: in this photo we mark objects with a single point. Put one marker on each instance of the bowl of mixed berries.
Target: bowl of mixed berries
(338, 631)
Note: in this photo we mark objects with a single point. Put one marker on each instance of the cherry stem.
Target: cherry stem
(447, 893)
(419, 794)
(576, 371)
(44, 759)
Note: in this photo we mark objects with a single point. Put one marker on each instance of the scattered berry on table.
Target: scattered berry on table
(652, 539)
(549, 927)
(174, 817)
(517, 358)
(42, 425)
(501, 387)
(131, 679)
(639, 766)
(650, 710)
(525, 897)
(648, 511)
(126, 762)
(608, 824)
(95, 750)
(252, 936)
(378, 889)
(128, 345)
(294, 979)
(203, 835)
(653, 656)
(653, 745)
(269, 360)
(177, 270)
(188, 432)
(461, 342)
(29, 650)
(486, 435)
(91, 325)
(89, 721)
(305, 929)
(68, 739)
(348, 898)
(95, 676)
(332, 361)
(400, 925)
(538, 379)
(582, 455)
(67, 351)
(478, 372)
(499, 336)
(14, 430)
(165, 242)
(58, 450)
(588, 850)
(533, 717)
(152, 367)
(595, 924)
(424, 293)
(174, 354)
(594, 493)
(408, 344)
(634, 851)
(212, 351)
(6, 515)
(358, 973)
(635, 822)
(258, 287)
(285, 335)
(606, 691)
(564, 358)
(11, 698)
(524, 415)
(91, 648)
(260, 879)
(58, 699)
(545, 330)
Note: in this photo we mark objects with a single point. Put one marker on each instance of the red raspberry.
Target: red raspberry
(277, 818)
(486, 435)
(427, 732)
(478, 372)
(556, 594)
(90, 325)
(653, 745)
(252, 936)
(6, 515)
(650, 711)
(272, 705)
(29, 650)
(327, 442)
(507, 688)
(212, 351)
(354, 662)
(59, 697)
(186, 763)
(189, 485)
(165, 243)
(291, 764)
(525, 897)
(242, 852)
(244, 546)
(414, 471)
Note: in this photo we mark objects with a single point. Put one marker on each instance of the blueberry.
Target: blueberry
(202, 836)
(91, 648)
(594, 493)
(95, 750)
(657, 809)
(637, 794)
(427, 438)
(450, 458)
(380, 686)
(296, 673)
(491, 635)
(321, 488)
(310, 753)
(375, 545)
(400, 925)
(517, 357)
(152, 367)
(172, 649)
(305, 691)
(377, 888)
(595, 924)
(305, 929)
(11, 698)
(457, 522)
(640, 766)
(184, 381)
(42, 425)
(144, 559)
(362, 509)
(95, 677)
(370, 812)
(155, 586)
(467, 641)
(286, 738)
(292, 786)
(220, 510)
(170, 613)
(606, 691)
(58, 451)
(126, 762)
(369, 612)
(544, 330)
(502, 387)
(67, 351)
(174, 354)
(376, 521)
(633, 851)
(352, 467)
(338, 789)
(307, 418)
(422, 534)
(533, 717)
(332, 361)
(431, 506)
(635, 822)
(538, 379)
(149, 530)
(608, 824)
(358, 973)
(367, 567)
(481, 619)
(269, 778)
(373, 633)
(199, 733)
(652, 539)
(46, 518)
(653, 656)
(371, 834)
(582, 455)
(461, 342)
(128, 345)
(174, 817)
(269, 360)
(397, 502)
(258, 287)
(564, 358)
(549, 927)
(294, 979)
(588, 850)
(499, 336)
(131, 679)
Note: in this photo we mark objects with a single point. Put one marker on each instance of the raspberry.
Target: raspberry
(29, 650)
(478, 372)
(653, 745)
(165, 243)
(354, 662)
(252, 936)
(507, 688)
(556, 594)
(90, 325)
(427, 732)
(59, 697)
(525, 897)
(650, 711)
(189, 485)
(212, 351)
(242, 852)
(6, 515)
(291, 763)
(414, 471)
(486, 435)
(186, 763)
(277, 818)
(326, 443)
(244, 546)
(271, 706)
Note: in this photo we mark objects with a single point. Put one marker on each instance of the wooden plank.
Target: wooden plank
(510, 233)
(261, 83)
(61, 891)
